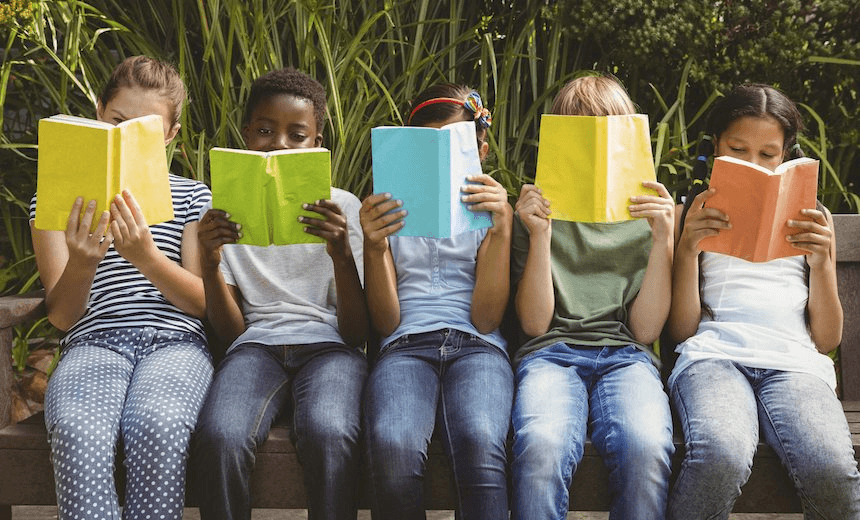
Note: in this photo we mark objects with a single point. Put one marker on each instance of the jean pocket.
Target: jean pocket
(388, 347)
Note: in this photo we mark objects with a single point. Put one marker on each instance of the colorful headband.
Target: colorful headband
(472, 103)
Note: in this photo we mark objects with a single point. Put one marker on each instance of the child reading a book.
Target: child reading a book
(753, 335)
(295, 319)
(438, 303)
(134, 365)
(591, 298)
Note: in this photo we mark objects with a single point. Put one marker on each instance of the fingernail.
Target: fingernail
(301, 219)
(305, 206)
(238, 227)
(240, 235)
(92, 204)
(386, 195)
(399, 202)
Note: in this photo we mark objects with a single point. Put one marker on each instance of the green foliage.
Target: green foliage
(807, 49)
(374, 56)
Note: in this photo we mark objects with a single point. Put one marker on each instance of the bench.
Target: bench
(26, 477)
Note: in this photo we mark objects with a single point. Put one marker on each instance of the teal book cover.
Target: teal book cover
(425, 168)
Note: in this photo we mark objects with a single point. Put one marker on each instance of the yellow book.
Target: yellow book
(81, 157)
(588, 167)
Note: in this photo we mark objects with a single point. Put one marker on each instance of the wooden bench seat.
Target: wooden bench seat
(26, 477)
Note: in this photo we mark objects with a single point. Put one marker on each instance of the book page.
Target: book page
(464, 162)
(629, 162)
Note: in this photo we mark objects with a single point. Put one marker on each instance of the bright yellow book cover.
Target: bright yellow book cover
(81, 157)
(588, 167)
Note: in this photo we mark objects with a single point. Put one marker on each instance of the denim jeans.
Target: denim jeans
(251, 388)
(613, 394)
(463, 387)
(139, 386)
(723, 406)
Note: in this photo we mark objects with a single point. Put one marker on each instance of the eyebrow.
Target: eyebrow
(117, 113)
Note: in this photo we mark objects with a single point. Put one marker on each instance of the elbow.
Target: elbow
(485, 326)
(534, 328)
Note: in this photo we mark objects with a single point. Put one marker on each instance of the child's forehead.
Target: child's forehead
(282, 104)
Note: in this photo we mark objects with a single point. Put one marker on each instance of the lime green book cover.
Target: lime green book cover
(81, 157)
(264, 191)
(588, 167)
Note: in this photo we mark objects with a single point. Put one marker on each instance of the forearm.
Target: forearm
(222, 310)
(535, 299)
(685, 310)
(352, 319)
(66, 302)
(181, 287)
(650, 309)
(380, 281)
(492, 281)
(825, 309)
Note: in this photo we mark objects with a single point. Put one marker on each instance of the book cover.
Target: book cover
(425, 168)
(588, 167)
(81, 157)
(264, 191)
(759, 203)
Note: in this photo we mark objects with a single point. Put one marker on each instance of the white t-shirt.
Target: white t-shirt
(758, 318)
(288, 292)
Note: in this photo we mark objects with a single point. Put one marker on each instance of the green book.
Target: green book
(264, 191)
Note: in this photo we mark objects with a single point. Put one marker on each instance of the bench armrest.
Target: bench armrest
(14, 310)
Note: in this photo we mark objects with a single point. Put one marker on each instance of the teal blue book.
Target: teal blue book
(425, 168)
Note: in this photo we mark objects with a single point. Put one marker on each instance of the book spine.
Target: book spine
(114, 183)
(602, 152)
(446, 208)
(768, 239)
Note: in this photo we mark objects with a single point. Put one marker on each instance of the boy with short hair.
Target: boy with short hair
(295, 319)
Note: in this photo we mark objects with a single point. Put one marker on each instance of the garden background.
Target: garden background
(675, 57)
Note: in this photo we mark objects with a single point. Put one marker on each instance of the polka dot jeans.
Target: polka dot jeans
(142, 385)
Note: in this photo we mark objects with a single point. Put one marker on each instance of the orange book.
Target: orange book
(759, 203)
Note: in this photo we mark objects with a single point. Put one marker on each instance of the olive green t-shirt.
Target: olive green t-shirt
(597, 270)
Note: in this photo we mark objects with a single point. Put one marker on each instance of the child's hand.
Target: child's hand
(215, 230)
(132, 239)
(659, 210)
(377, 223)
(488, 196)
(85, 247)
(701, 222)
(533, 210)
(332, 228)
(814, 237)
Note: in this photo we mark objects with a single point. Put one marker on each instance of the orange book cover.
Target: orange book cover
(759, 203)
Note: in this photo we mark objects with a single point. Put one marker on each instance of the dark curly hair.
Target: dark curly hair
(288, 81)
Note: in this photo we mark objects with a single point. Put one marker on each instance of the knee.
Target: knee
(540, 450)
(394, 451)
(725, 456)
(74, 430)
(335, 435)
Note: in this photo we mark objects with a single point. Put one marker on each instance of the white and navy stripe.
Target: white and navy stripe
(121, 297)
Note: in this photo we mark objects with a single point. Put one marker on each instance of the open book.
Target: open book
(264, 191)
(425, 168)
(759, 202)
(81, 157)
(588, 167)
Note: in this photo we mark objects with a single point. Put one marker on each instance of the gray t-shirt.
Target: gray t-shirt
(288, 292)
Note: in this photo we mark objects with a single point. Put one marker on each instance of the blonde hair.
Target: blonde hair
(593, 96)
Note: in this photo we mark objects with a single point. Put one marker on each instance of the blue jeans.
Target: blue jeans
(252, 386)
(457, 383)
(722, 407)
(141, 386)
(613, 394)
